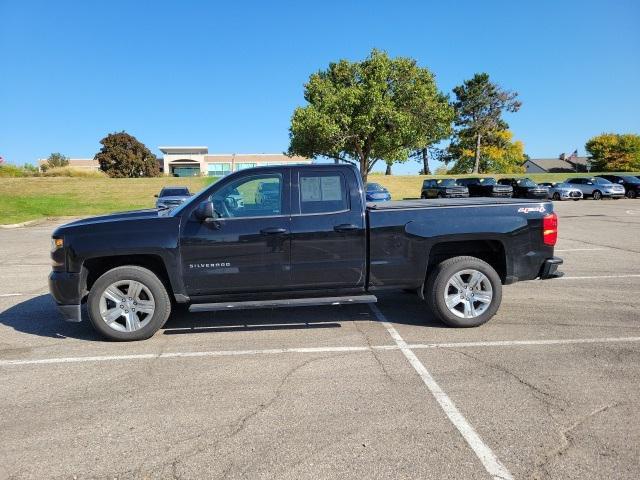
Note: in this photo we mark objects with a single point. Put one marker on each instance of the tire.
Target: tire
(556, 196)
(597, 195)
(152, 301)
(631, 194)
(441, 195)
(423, 196)
(438, 285)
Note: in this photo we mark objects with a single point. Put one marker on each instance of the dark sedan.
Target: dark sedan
(377, 193)
(485, 187)
(630, 183)
(525, 188)
(443, 188)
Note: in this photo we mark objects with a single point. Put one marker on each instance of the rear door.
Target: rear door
(328, 230)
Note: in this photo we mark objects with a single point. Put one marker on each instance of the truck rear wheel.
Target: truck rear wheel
(463, 291)
(128, 303)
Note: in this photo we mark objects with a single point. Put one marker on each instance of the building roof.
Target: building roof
(551, 164)
(184, 150)
(254, 158)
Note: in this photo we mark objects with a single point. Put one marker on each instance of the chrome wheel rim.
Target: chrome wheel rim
(127, 306)
(468, 293)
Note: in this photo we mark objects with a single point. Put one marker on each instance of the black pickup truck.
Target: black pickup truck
(312, 241)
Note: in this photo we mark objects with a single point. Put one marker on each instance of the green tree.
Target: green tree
(361, 112)
(122, 155)
(614, 152)
(479, 106)
(498, 154)
(55, 160)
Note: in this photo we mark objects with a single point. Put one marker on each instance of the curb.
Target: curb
(24, 224)
(37, 221)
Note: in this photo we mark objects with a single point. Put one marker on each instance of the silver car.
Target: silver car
(597, 187)
(171, 197)
(562, 191)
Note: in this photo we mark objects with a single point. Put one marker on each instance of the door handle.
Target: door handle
(273, 230)
(345, 227)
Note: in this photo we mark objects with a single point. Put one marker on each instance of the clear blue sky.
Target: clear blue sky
(229, 74)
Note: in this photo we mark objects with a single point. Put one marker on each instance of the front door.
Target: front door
(247, 248)
(328, 244)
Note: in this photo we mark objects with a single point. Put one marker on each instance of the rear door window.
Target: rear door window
(322, 192)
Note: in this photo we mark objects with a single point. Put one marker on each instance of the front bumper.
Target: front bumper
(65, 288)
(550, 268)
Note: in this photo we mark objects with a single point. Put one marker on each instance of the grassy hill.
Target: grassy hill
(24, 199)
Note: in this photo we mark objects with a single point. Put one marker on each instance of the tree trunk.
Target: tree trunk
(425, 162)
(476, 165)
(388, 170)
(364, 170)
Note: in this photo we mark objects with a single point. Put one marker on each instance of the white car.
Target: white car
(562, 191)
(597, 187)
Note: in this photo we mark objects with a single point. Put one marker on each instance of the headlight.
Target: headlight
(57, 253)
(56, 243)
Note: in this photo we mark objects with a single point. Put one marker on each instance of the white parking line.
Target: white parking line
(491, 463)
(580, 249)
(10, 294)
(273, 351)
(591, 277)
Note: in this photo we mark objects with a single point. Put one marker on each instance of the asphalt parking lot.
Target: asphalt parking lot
(547, 389)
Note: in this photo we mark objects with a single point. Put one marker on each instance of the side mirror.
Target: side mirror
(620, 181)
(156, 195)
(205, 212)
(589, 183)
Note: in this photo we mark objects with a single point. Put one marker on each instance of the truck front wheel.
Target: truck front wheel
(463, 291)
(128, 303)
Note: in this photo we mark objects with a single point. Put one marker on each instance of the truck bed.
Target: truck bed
(449, 202)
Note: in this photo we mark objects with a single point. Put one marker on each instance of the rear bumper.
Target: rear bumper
(65, 288)
(550, 268)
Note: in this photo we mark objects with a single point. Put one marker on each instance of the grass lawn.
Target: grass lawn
(24, 199)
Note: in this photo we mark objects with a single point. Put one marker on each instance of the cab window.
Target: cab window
(254, 196)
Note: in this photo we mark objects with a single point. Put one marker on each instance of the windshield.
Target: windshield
(527, 182)
(174, 192)
(600, 181)
(447, 182)
(630, 179)
(176, 211)
(487, 181)
(374, 187)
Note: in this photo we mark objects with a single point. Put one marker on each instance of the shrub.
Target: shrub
(7, 170)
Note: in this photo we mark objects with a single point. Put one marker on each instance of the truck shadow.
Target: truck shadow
(38, 316)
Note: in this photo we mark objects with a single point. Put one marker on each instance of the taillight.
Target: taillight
(550, 229)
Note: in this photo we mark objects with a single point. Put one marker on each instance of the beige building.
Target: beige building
(79, 163)
(187, 161)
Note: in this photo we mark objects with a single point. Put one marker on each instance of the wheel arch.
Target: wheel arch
(94, 268)
(491, 251)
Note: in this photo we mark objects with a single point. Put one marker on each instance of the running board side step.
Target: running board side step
(288, 302)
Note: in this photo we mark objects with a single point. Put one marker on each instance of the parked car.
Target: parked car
(377, 193)
(562, 191)
(323, 245)
(268, 193)
(485, 187)
(524, 188)
(443, 188)
(170, 197)
(596, 187)
(630, 183)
